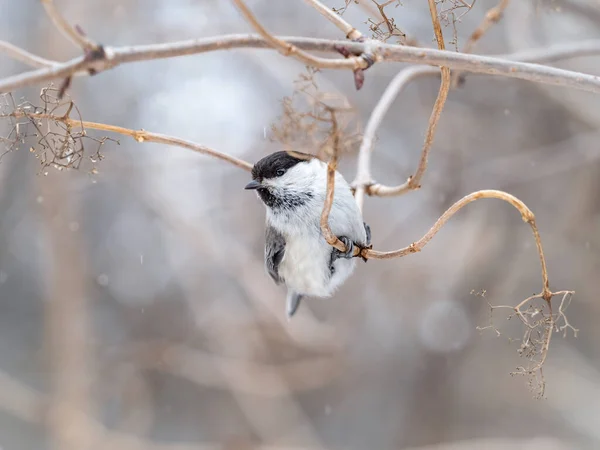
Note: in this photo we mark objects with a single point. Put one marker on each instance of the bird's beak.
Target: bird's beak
(253, 185)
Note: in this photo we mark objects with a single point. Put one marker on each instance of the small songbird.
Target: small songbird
(293, 187)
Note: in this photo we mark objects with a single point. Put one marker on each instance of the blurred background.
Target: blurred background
(135, 312)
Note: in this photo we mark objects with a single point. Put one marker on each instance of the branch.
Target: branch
(492, 17)
(331, 238)
(414, 181)
(24, 56)
(138, 135)
(74, 35)
(287, 49)
(350, 32)
(385, 52)
(417, 246)
(363, 182)
(363, 179)
(67, 303)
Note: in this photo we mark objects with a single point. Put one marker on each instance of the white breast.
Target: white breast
(305, 267)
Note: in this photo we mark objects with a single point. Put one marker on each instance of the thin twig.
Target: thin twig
(385, 52)
(65, 28)
(492, 17)
(417, 246)
(24, 56)
(350, 32)
(414, 181)
(331, 238)
(67, 324)
(398, 83)
(287, 49)
(440, 101)
(139, 136)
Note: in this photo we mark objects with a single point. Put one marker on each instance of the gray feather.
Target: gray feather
(274, 251)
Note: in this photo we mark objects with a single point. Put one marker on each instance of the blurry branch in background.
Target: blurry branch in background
(540, 322)
(492, 17)
(66, 323)
(363, 182)
(74, 34)
(245, 377)
(331, 238)
(66, 144)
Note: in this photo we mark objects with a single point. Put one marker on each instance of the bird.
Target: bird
(292, 186)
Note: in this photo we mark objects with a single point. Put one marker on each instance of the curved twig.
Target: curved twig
(287, 49)
(139, 136)
(331, 238)
(65, 27)
(363, 173)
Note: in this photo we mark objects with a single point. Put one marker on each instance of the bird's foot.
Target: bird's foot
(348, 254)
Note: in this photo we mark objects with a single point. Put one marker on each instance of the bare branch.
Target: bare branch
(67, 345)
(287, 49)
(350, 32)
(385, 52)
(331, 238)
(492, 17)
(363, 180)
(138, 135)
(417, 246)
(398, 83)
(539, 322)
(24, 56)
(65, 28)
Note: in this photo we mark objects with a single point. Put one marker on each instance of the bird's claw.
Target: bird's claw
(349, 253)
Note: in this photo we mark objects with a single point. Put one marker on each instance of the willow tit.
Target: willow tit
(293, 190)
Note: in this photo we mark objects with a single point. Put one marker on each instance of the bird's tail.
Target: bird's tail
(292, 303)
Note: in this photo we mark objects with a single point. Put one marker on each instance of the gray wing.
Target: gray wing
(274, 251)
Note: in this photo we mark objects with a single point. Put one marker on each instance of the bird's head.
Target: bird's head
(286, 180)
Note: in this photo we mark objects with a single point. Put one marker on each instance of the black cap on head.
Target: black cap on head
(269, 166)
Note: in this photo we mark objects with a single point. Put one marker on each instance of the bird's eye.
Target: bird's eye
(280, 172)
